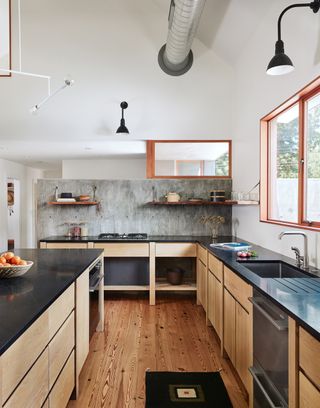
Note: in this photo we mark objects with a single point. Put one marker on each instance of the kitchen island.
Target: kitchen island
(44, 333)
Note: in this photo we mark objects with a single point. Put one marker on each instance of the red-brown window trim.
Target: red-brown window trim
(299, 98)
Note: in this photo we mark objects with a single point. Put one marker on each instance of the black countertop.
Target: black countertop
(24, 299)
(299, 297)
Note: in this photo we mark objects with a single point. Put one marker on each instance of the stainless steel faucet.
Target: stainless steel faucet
(301, 260)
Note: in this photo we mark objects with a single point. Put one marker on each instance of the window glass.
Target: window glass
(201, 159)
(312, 154)
(284, 166)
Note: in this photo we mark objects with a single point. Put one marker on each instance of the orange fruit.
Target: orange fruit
(2, 260)
(8, 255)
(22, 262)
(15, 260)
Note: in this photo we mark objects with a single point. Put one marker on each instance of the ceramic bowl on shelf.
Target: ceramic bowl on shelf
(14, 271)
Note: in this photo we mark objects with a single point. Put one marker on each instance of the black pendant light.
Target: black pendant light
(122, 128)
(281, 64)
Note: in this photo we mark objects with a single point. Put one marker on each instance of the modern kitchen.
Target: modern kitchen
(159, 204)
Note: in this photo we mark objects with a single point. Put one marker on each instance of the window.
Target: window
(290, 161)
(189, 159)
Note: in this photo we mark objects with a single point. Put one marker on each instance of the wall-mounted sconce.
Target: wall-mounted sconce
(122, 128)
(281, 64)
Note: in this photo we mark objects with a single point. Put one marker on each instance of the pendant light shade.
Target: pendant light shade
(122, 128)
(280, 64)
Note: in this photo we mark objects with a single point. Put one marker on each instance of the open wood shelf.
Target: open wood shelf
(185, 286)
(204, 202)
(73, 203)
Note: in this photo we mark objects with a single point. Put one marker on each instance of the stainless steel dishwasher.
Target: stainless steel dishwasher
(270, 353)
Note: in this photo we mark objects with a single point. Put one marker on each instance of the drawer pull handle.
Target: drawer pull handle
(280, 324)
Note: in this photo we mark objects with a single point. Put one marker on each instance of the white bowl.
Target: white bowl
(13, 271)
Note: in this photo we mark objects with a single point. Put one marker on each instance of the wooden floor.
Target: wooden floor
(171, 336)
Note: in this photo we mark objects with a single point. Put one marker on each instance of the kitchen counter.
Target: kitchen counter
(302, 302)
(24, 299)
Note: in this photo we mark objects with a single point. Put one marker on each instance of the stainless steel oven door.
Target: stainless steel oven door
(96, 293)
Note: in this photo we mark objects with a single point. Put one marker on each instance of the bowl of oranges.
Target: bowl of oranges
(12, 265)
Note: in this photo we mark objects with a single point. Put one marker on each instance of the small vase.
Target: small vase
(215, 231)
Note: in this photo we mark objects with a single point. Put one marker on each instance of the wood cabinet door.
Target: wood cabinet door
(211, 299)
(218, 306)
(202, 283)
(229, 326)
(309, 395)
(82, 320)
(243, 344)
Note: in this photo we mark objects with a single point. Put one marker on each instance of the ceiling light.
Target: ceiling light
(122, 128)
(281, 64)
(67, 82)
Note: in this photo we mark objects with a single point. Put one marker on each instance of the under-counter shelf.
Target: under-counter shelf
(204, 202)
(187, 286)
(73, 203)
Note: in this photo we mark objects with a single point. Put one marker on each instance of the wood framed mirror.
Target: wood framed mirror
(189, 159)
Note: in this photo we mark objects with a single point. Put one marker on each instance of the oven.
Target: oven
(96, 296)
(270, 353)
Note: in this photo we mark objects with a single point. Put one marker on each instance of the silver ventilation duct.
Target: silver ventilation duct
(175, 57)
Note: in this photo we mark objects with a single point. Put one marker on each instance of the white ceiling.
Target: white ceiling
(110, 48)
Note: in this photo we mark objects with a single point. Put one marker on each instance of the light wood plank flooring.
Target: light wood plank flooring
(170, 336)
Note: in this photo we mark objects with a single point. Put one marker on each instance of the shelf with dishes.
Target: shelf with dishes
(73, 203)
(70, 199)
(203, 202)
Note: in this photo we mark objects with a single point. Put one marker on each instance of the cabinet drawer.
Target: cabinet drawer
(216, 267)
(309, 356)
(176, 249)
(61, 392)
(309, 395)
(33, 389)
(66, 245)
(238, 288)
(202, 254)
(124, 249)
(60, 310)
(60, 348)
(18, 359)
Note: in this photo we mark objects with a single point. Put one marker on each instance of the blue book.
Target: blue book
(233, 246)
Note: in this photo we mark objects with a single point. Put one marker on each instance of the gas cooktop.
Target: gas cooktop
(136, 235)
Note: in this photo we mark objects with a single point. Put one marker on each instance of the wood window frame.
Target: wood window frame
(9, 74)
(300, 98)
(151, 159)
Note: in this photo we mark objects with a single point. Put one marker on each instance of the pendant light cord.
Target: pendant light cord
(314, 5)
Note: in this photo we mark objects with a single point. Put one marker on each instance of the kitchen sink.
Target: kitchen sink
(276, 269)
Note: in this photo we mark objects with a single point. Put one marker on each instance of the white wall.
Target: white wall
(27, 177)
(256, 95)
(117, 169)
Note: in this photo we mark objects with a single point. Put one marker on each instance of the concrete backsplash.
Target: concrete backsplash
(123, 207)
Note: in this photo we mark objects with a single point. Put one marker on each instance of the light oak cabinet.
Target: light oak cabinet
(309, 395)
(229, 325)
(215, 294)
(63, 245)
(39, 369)
(243, 350)
(237, 325)
(202, 284)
